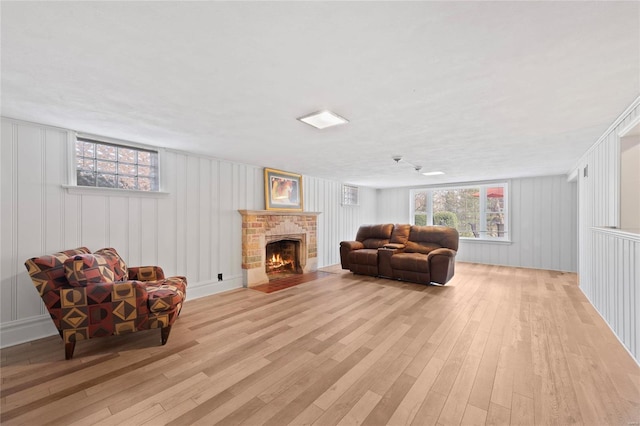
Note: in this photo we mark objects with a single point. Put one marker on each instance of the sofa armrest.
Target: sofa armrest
(146, 273)
(345, 248)
(352, 245)
(441, 265)
(441, 252)
(395, 246)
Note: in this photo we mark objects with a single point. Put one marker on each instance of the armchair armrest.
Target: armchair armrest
(146, 273)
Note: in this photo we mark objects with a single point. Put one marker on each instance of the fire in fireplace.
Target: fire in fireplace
(282, 258)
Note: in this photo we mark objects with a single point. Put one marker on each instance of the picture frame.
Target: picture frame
(282, 190)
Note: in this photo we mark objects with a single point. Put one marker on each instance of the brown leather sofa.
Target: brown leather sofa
(420, 254)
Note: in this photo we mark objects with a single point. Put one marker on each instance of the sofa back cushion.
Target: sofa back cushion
(104, 266)
(119, 265)
(424, 239)
(400, 234)
(374, 236)
(47, 272)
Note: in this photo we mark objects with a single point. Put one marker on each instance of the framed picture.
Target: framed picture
(282, 190)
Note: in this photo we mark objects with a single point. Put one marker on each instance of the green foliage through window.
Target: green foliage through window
(475, 211)
(445, 219)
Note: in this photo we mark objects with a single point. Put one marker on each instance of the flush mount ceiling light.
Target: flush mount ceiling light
(323, 119)
(433, 173)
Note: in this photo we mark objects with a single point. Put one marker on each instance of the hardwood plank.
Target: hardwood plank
(360, 410)
(309, 395)
(483, 385)
(412, 401)
(171, 414)
(390, 401)
(308, 416)
(365, 383)
(499, 415)
(456, 405)
(522, 412)
(430, 410)
(340, 386)
(474, 416)
(281, 394)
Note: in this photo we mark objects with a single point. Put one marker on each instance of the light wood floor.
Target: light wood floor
(497, 345)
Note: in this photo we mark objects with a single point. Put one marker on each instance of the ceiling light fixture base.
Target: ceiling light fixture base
(398, 159)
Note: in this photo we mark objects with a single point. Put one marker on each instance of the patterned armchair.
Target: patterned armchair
(97, 295)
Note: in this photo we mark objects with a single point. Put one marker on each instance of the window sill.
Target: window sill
(114, 192)
(485, 241)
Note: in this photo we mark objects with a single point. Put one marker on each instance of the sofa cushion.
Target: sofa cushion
(375, 232)
(400, 234)
(119, 265)
(364, 257)
(440, 236)
(416, 262)
(424, 248)
(83, 269)
(47, 272)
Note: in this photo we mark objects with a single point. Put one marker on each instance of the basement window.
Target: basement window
(349, 195)
(100, 164)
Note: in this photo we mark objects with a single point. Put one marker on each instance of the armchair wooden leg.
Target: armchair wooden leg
(164, 334)
(68, 350)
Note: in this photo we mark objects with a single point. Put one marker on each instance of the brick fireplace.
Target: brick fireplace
(262, 227)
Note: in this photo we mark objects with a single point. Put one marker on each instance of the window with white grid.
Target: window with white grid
(108, 165)
(349, 195)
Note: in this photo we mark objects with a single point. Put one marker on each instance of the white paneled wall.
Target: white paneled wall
(542, 218)
(608, 258)
(393, 205)
(194, 231)
(337, 222)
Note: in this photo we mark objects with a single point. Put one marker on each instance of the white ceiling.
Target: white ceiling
(478, 90)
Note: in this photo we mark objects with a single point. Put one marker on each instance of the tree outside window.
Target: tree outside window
(475, 211)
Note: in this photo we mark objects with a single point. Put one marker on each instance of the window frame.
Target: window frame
(482, 187)
(73, 187)
(350, 189)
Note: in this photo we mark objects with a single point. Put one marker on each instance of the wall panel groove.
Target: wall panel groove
(14, 230)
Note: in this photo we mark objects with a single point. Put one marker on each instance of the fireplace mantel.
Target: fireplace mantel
(276, 213)
(262, 226)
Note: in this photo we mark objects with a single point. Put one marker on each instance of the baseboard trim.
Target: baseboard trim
(208, 288)
(33, 328)
(26, 330)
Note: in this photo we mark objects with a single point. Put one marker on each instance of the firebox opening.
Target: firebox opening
(283, 259)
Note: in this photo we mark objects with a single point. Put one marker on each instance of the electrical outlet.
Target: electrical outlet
(219, 277)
